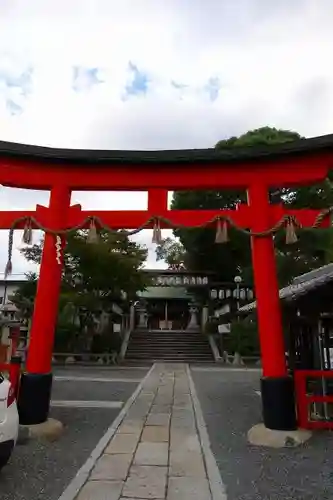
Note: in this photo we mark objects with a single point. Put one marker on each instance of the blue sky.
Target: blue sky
(158, 75)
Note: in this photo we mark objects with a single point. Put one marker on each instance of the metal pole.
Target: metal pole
(166, 314)
(322, 367)
(237, 305)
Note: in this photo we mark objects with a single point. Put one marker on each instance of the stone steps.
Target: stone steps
(171, 345)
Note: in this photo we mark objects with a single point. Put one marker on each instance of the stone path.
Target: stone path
(161, 449)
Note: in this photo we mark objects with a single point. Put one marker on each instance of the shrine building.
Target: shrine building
(181, 299)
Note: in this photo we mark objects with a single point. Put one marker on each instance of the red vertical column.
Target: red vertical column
(266, 286)
(277, 387)
(36, 383)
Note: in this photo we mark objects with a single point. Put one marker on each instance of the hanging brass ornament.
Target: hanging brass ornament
(157, 233)
(92, 232)
(27, 233)
(291, 236)
(221, 231)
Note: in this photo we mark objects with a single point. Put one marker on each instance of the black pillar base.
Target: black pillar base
(278, 403)
(34, 398)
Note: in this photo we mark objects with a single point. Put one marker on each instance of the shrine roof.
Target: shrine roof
(300, 286)
(190, 156)
(176, 272)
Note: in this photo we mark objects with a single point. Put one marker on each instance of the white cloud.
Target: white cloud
(270, 61)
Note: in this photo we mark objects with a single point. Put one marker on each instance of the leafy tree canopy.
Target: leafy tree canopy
(94, 274)
(202, 253)
(172, 252)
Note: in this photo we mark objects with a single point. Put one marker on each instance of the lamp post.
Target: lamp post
(238, 281)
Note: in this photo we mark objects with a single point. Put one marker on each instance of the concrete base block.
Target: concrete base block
(259, 435)
(51, 430)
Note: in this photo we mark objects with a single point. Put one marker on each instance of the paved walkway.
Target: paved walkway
(160, 450)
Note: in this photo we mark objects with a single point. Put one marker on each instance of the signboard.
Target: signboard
(181, 280)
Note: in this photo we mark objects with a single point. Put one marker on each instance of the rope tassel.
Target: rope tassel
(221, 232)
(8, 269)
(157, 233)
(92, 233)
(27, 233)
(291, 236)
(9, 265)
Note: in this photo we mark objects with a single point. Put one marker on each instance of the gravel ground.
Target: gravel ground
(231, 407)
(41, 470)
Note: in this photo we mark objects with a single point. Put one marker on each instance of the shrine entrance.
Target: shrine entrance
(174, 301)
(168, 315)
(255, 169)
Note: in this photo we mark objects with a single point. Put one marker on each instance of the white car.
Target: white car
(9, 420)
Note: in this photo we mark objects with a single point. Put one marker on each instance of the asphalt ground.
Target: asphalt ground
(231, 407)
(41, 470)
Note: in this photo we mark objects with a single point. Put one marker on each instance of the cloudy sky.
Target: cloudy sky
(148, 74)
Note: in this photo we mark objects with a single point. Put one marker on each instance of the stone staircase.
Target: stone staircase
(168, 345)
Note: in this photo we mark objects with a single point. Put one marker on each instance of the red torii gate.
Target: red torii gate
(253, 169)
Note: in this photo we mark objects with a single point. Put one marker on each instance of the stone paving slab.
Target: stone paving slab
(123, 443)
(103, 490)
(157, 452)
(156, 434)
(146, 482)
(152, 454)
(110, 467)
(187, 488)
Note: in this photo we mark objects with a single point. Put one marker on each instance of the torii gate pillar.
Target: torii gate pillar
(277, 387)
(36, 382)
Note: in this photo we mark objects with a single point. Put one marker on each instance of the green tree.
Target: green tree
(94, 276)
(172, 252)
(313, 249)
(244, 337)
(24, 296)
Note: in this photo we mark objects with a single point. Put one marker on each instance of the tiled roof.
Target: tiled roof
(301, 285)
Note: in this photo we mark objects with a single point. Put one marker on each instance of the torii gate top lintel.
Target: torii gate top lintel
(298, 162)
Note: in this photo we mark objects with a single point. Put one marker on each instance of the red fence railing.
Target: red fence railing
(304, 398)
